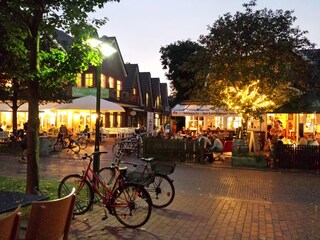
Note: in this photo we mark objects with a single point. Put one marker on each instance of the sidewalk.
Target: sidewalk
(211, 202)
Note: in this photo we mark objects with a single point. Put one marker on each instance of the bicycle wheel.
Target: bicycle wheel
(115, 149)
(161, 191)
(84, 192)
(132, 205)
(74, 146)
(83, 143)
(108, 174)
(58, 146)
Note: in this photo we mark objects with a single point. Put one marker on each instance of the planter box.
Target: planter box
(247, 161)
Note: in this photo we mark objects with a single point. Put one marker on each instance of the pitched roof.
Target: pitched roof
(164, 94)
(155, 85)
(110, 64)
(132, 78)
(145, 80)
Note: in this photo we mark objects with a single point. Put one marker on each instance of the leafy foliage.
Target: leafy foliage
(180, 58)
(25, 22)
(256, 53)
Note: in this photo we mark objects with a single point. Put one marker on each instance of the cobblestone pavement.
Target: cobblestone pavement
(210, 203)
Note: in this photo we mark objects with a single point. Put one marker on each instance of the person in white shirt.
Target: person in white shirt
(216, 149)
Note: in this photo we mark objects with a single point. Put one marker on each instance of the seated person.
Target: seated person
(87, 131)
(303, 140)
(216, 150)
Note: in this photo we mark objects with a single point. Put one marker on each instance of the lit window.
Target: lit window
(158, 102)
(111, 82)
(118, 120)
(119, 85)
(78, 81)
(147, 99)
(134, 91)
(118, 88)
(103, 81)
(89, 80)
(111, 119)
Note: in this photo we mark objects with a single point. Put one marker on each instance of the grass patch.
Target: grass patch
(48, 188)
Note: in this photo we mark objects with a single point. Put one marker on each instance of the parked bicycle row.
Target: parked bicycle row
(125, 190)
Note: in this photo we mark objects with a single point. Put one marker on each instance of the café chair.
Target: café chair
(9, 225)
(51, 219)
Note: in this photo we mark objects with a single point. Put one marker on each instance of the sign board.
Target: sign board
(82, 92)
(150, 122)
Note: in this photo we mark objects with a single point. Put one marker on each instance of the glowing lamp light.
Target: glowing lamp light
(105, 49)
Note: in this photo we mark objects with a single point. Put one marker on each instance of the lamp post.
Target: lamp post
(105, 50)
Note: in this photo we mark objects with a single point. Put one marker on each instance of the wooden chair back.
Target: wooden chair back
(9, 225)
(50, 220)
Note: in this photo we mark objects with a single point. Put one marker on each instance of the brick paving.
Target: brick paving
(211, 203)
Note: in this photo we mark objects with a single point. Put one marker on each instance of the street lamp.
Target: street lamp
(105, 50)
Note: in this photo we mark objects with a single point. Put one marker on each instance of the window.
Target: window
(111, 82)
(119, 87)
(118, 120)
(158, 102)
(111, 120)
(89, 80)
(79, 80)
(134, 91)
(147, 99)
(103, 81)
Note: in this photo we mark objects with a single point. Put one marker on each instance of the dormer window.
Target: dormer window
(103, 81)
(111, 82)
(79, 80)
(89, 80)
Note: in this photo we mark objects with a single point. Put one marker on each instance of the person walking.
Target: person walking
(24, 146)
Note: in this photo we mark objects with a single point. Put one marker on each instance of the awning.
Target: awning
(197, 110)
(89, 103)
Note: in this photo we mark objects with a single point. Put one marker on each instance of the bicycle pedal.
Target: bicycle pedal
(104, 218)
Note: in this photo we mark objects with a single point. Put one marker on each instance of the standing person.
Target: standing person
(63, 131)
(24, 146)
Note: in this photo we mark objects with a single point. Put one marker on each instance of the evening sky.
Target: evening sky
(143, 26)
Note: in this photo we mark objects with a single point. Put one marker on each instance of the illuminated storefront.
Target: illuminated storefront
(200, 117)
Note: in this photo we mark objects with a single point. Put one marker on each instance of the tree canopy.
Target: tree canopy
(27, 24)
(254, 58)
(180, 59)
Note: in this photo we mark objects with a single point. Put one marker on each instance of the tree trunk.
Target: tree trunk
(33, 118)
(14, 107)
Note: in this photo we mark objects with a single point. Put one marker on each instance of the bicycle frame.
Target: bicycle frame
(95, 180)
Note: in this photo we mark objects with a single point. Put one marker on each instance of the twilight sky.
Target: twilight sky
(143, 26)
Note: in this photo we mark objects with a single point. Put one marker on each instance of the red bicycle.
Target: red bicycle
(130, 203)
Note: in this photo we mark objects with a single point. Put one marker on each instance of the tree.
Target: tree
(31, 20)
(254, 61)
(180, 59)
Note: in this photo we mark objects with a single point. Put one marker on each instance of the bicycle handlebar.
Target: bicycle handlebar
(94, 153)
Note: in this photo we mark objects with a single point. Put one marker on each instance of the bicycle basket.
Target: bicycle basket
(140, 176)
(164, 168)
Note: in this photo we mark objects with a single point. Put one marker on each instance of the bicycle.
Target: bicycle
(130, 203)
(152, 174)
(83, 140)
(129, 145)
(66, 143)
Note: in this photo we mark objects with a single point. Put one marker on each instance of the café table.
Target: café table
(10, 200)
